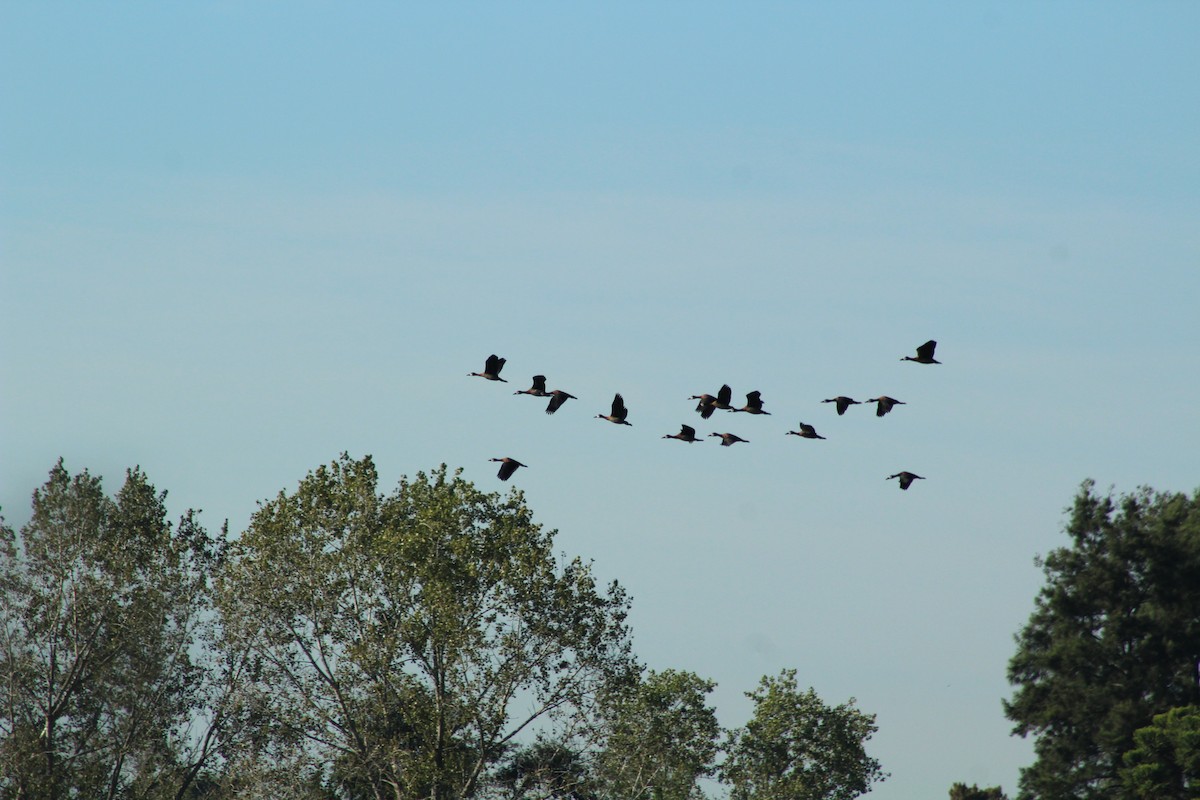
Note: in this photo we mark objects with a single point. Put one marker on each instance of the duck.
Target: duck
(491, 370)
(728, 439)
(557, 398)
(753, 404)
(924, 354)
(807, 431)
(884, 404)
(537, 390)
(619, 412)
(906, 478)
(686, 434)
(507, 467)
(843, 403)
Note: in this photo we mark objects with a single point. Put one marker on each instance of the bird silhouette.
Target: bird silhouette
(507, 467)
(619, 412)
(557, 398)
(807, 431)
(884, 404)
(686, 434)
(843, 403)
(906, 478)
(491, 370)
(728, 439)
(538, 389)
(924, 354)
(753, 404)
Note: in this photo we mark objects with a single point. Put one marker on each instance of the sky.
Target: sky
(239, 239)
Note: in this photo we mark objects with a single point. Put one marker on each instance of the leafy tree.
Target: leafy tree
(1113, 640)
(408, 639)
(103, 610)
(1165, 761)
(547, 769)
(797, 748)
(660, 738)
(960, 791)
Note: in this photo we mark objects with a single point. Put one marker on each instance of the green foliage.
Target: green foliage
(1114, 639)
(102, 604)
(409, 638)
(1165, 761)
(661, 738)
(960, 791)
(797, 748)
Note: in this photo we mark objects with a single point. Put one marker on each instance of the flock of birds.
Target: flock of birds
(706, 406)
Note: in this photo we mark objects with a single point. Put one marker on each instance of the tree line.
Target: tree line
(351, 644)
(427, 644)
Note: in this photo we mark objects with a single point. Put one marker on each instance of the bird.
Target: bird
(619, 412)
(557, 398)
(753, 404)
(491, 370)
(843, 403)
(728, 439)
(924, 354)
(906, 478)
(538, 389)
(507, 467)
(807, 431)
(884, 404)
(686, 434)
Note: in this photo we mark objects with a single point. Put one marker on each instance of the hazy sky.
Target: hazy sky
(238, 239)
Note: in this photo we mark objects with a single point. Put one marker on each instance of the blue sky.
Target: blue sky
(238, 239)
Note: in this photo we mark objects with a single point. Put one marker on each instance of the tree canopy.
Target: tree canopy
(1114, 640)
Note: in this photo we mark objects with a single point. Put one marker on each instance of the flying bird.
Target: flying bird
(924, 354)
(807, 431)
(884, 404)
(538, 389)
(491, 370)
(906, 478)
(843, 403)
(686, 434)
(557, 398)
(753, 404)
(507, 467)
(708, 403)
(619, 412)
(728, 439)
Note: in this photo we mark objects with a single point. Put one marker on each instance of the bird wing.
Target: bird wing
(507, 468)
(494, 364)
(925, 351)
(706, 408)
(687, 431)
(539, 383)
(724, 395)
(557, 398)
(618, 407)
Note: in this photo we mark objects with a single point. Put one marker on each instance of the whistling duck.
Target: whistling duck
(728, 438)
(491, 370)
(884, 404)
(843, 403)
(906, 478)
(686, 434)
(807, 431)
(538, 389)
(507, 467)
(557, 398)
(924, 354)
(753, 404)
(619, 412)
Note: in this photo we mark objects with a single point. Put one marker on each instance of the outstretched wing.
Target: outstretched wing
(725, 395)
(618, 407)
(687, 431)
(925, 351)
(557, 398)
(539, 383)
(494, 364)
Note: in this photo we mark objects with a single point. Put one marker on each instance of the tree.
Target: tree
(103, 609)
(960, 791)
(409, 638)
(660, 737)
(1165, 761)
(797, 748)
(1113, 640)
